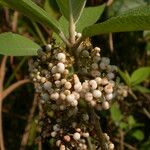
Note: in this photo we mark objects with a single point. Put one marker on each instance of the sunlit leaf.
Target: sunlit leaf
(140, 75)
(17, 45)
(137, 19)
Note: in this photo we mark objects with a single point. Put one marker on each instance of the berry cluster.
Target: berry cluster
(67, 86)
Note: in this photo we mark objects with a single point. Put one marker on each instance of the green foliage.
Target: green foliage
(32, 133)
(72, 8)
(133, 20)
(138, 134)
(33, 11)
(136, 78)
(141, 89)
(125, 76)
(140, 75)
(116, 113)
(17, 45)
(89, 16)
(51, 8)
(119, 6)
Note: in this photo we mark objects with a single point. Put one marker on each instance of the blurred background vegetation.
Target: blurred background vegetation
(128, 121)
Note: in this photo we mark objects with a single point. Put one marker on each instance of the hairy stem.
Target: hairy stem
(71, 25)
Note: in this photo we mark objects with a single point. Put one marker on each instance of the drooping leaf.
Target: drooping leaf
(140, 75)
(119, 6)
(138, 134)
(141, 89)
(17, 45)
(71, 7)
(30, 9)
(51, 8)
(137, 19)
(116, 113)
(125, 76)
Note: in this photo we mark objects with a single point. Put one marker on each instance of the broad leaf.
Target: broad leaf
(17, 45)
(116, 113)
(71, 7)
(141, 89)
(89, 16)
(30, 9)
(133, 20)
(119, 6)
(138, 134)
(140, 75)
(51, 8)
(131, 121)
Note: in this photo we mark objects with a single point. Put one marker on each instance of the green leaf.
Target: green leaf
(138, 134)
(123, 125)
(119, 6)
(116, 113)
(71, 7)
(32, 133)
(141, 89)
(51, 8)
(140, 75)
(131, 121)
(125, 76)
(89, 16)
(133, 20)
(17, 45)
(33, 11)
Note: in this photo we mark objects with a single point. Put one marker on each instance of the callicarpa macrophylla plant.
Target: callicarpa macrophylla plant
(72, 79)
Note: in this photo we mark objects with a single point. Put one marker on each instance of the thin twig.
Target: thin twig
(98, 129)
(2, 76)
(111, 44)
(13, 87)
(28, 126)
(39, 33)
(146, 112)
(126, 145)
(15, 21)
(121, 140)
(15, 71)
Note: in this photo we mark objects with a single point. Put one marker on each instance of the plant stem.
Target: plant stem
(15, 71)
(64, 39)
(39, 33)
(28, 126)
(13, 87)
(2, 76)
(98, 129)
(71, 25)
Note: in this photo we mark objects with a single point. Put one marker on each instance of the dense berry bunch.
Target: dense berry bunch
(68, 87)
